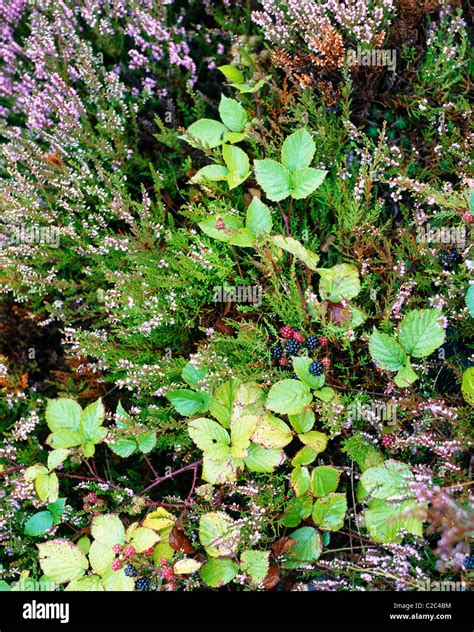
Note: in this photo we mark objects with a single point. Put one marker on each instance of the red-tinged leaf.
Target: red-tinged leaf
(272, 578)
(282, 545)
(336, 312)
(180, 542)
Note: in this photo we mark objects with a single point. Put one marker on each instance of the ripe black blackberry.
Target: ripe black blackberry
(130, 571)
(312, 342)
(316, 368)
(276, 352)
(452, 257)
(294, 377)
(292, 347)
(142, 584)
(469, 562)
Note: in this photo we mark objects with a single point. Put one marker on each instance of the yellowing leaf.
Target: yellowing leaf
(186, 566)
(159, 519)
(62, 561)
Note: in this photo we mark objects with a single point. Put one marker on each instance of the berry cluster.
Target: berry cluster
(290, 345)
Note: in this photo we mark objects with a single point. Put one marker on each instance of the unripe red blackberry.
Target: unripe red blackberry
(323, 341)
(129, 551)
(298, 336)
(116, 565)
(388, 440)
(284, 361)
(117, 549)
(326, 361)
(286, 332)
(220, 224)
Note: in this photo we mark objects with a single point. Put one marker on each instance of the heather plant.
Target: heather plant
(236, 328)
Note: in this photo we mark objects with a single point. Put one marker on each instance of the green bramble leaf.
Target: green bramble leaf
(101, 557)
(470, 300)
(39, 523)
(62, 561)
(56, 509)
(187, 402)
(211, 173)
(56, 457)
(272, 432)
(324, 480)
(387, 480)
(47, 487)
(317, 441)
(232, 114)
(297, 509)
(193, 375)
(288, 397)
(218, 534)
(91, 583)
(108, 529)
(339, 283)
(146, 441)
(299, 480)
(208, 132)
(303, 422)
(210, 437)
(263, 460)
(305, 181)
(307, 547)
(144, 538)
(92, 419)
(467, 385)
(237, 162)
(298, 150)
(293, 246)
(123, 447)
(386, 352)
(218, 572)
(405, 376)
(223, 401)
(231, 73)
(259, 218)
(242, 429)
(329, 512)
(63, 414)
(274, 178)
(32, 473)
(305, 456)
(421, 333)
(255, 564)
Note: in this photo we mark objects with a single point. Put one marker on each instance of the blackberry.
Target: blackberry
(294, 377)
(142, 584)
(469, 562)
(292, 347)
(130, 571)
(312, 342)
(276, 352)
(316, 368)
(452, 257)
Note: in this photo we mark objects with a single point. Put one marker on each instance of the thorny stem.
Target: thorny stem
(160, 479)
